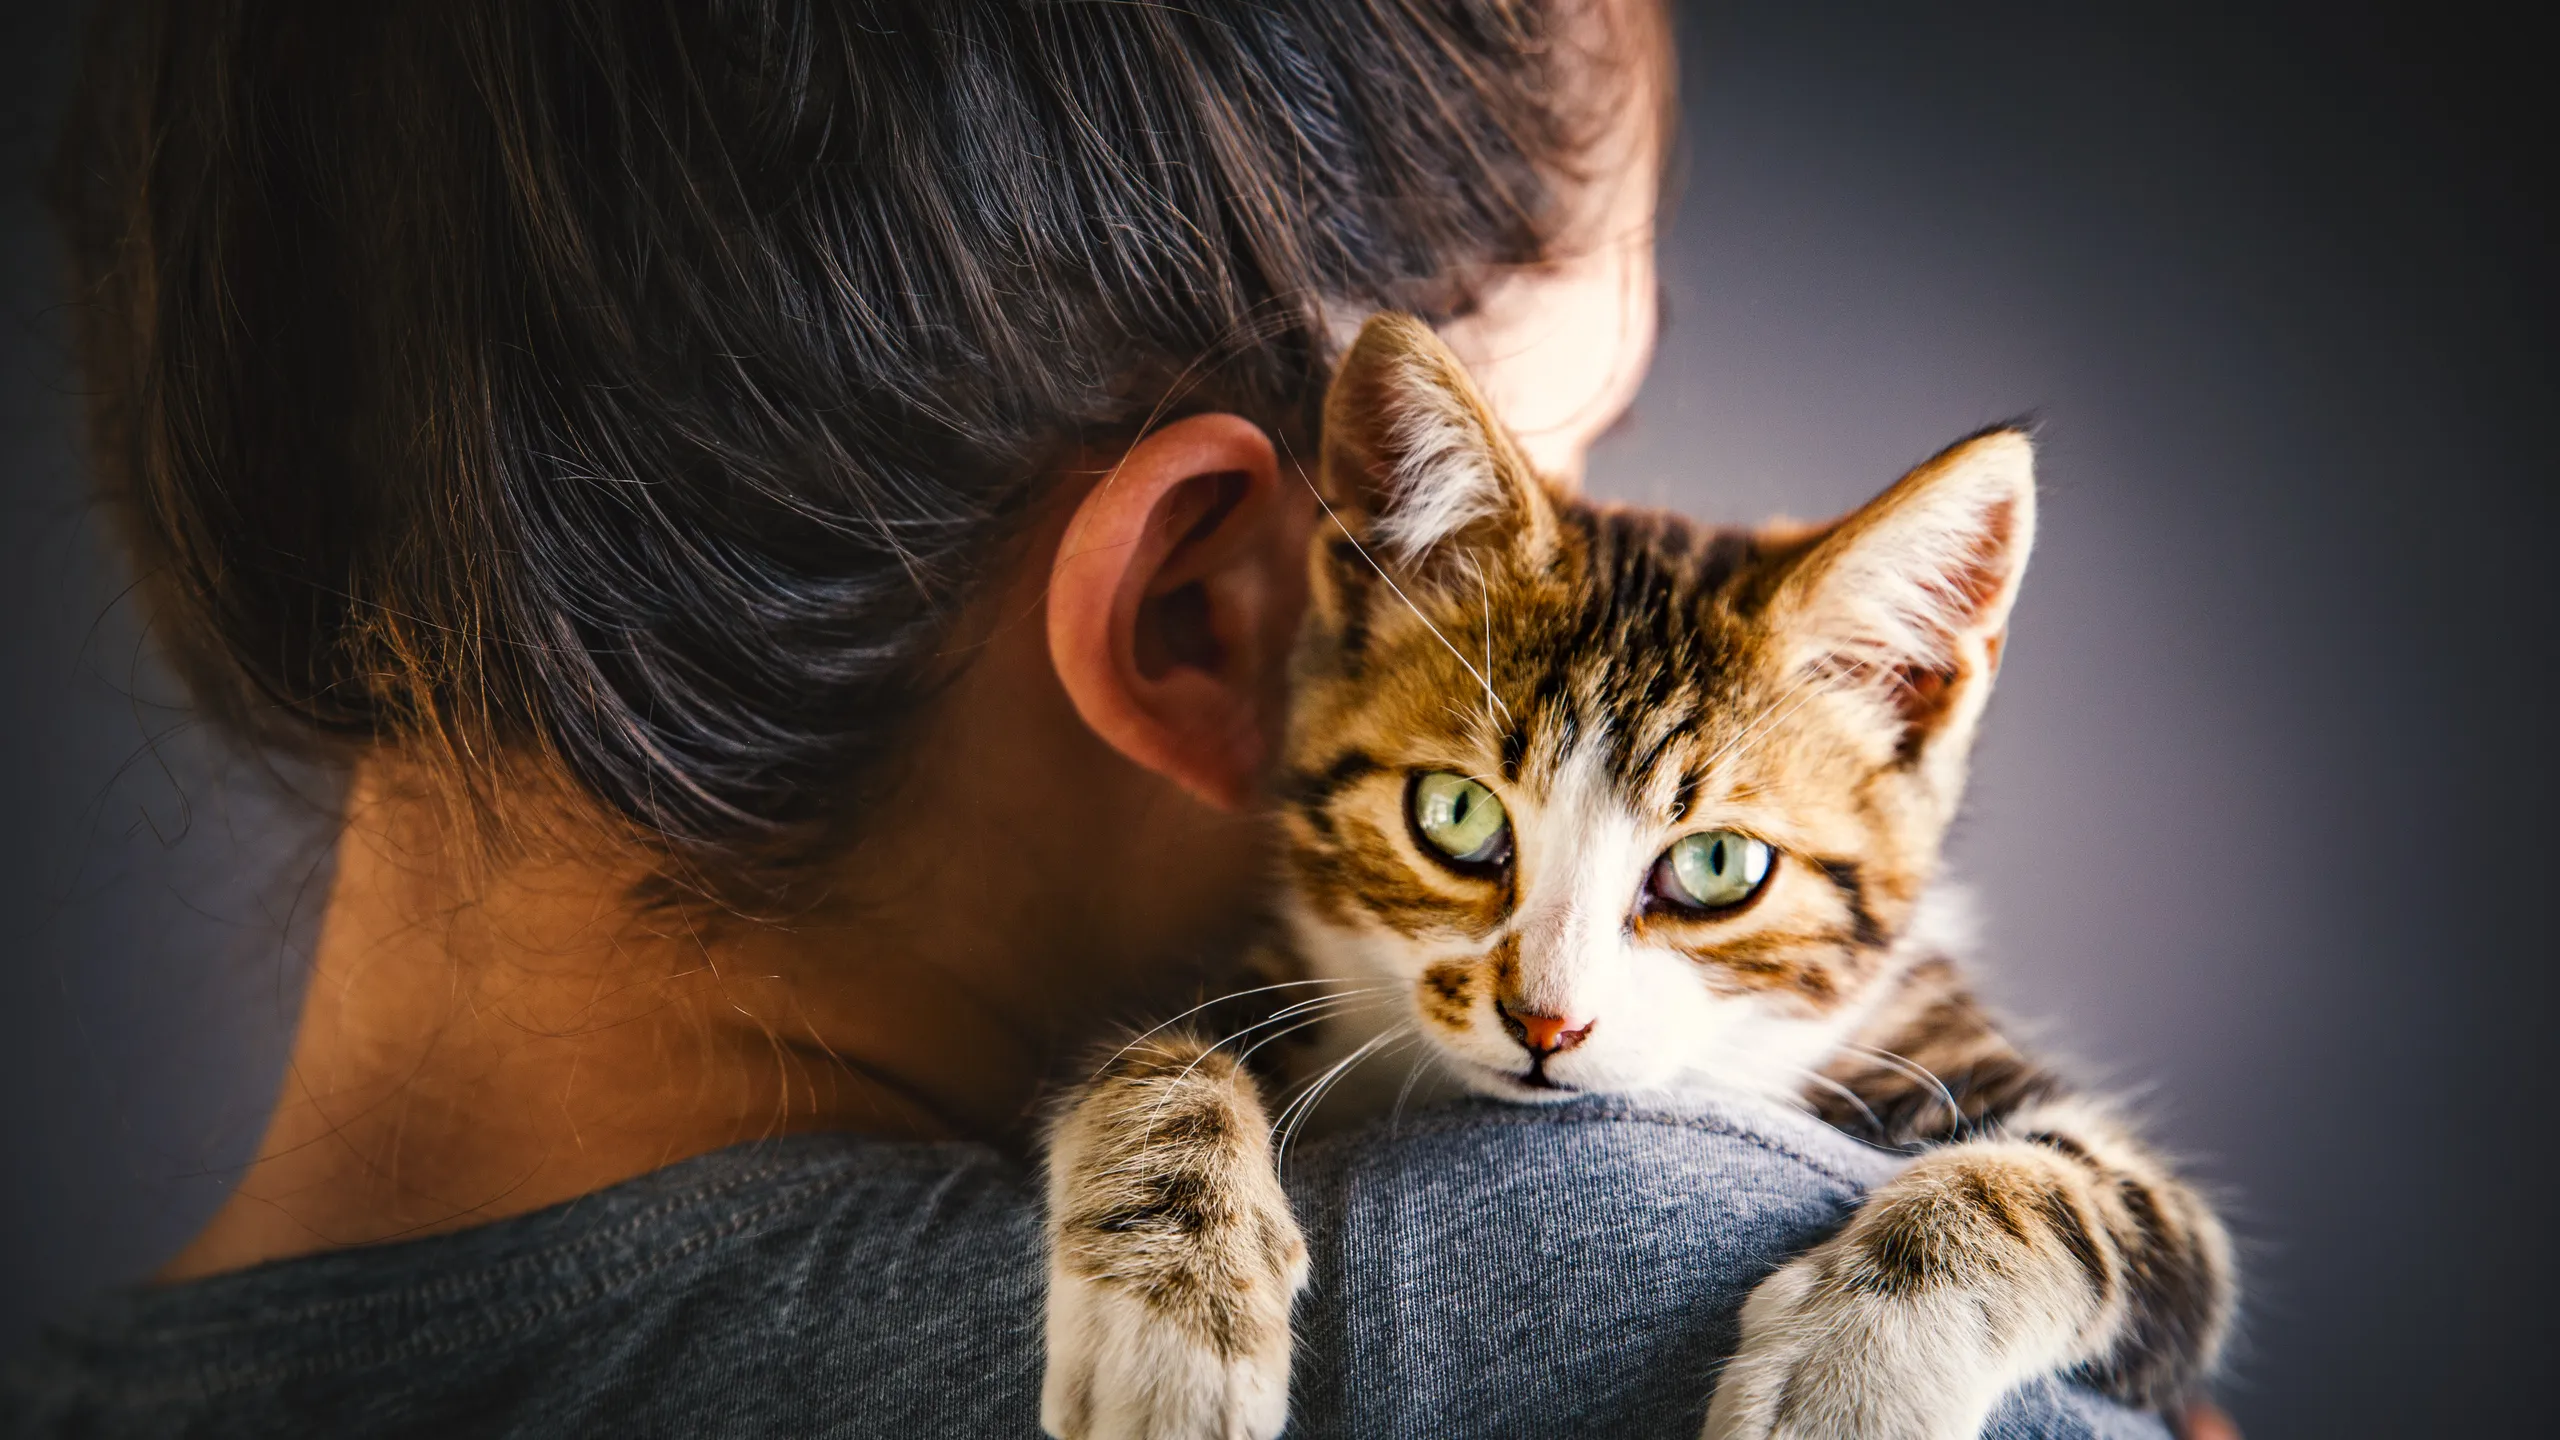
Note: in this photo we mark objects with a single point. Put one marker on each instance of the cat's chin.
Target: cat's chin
(1515, 1087)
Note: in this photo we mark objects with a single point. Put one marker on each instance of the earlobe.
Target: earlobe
(1173, 599)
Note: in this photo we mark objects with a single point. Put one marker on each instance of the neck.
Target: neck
(474, 1046)
(469, 1051)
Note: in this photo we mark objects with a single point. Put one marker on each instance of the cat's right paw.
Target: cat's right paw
(1118, 1371)
(1173, 1257)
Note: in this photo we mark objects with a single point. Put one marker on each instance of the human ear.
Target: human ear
(1173, 601)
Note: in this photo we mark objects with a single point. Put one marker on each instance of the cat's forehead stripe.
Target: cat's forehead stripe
(1640, 651)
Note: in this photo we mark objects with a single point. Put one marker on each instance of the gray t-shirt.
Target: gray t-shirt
(1483, 1270)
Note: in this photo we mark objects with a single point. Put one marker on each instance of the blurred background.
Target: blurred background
(2260, 823)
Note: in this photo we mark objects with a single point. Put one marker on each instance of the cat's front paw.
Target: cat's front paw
(1968, 1275)
(1173, 1257)
(1820, 1361)
(1118, 1371)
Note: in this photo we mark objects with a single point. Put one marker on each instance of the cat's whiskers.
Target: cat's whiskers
(1319, 1008)
(1294, 1115)
(1336, 1013)
(1464, 719)
(1311, 1091)
(1816, 1077)
(1320, 1005)
(1412, 1074)
(1485, 590)
(1154, 1030)
(1772, 728)
(1914, 1070)
(1363, 551)
(1305, 1013)
(1761, 725)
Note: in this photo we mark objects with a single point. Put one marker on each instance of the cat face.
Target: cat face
(1601, 798)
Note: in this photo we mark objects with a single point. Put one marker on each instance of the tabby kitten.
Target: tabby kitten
(1613, 801)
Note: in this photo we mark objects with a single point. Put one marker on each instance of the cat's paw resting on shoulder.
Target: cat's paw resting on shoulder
(1173, 1258)
(1593, 799)
(1985, 1265)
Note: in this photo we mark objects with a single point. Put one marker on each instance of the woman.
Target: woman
(787, 514)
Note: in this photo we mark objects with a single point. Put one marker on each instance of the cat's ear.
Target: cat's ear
(1908, 598)
(1414, 461)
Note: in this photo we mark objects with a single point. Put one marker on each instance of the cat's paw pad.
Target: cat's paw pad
(1825, 1361)
(1119, 1370)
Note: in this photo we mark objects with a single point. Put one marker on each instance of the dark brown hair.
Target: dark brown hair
(631, 393)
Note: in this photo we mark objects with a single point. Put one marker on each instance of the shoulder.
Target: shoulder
(1482, 1270)
(814, 1286)
(1486, 1269)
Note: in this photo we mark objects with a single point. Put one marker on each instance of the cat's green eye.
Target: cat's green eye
(1716, 870)
(1460, 818)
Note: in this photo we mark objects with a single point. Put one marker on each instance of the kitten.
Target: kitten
(1610, 801)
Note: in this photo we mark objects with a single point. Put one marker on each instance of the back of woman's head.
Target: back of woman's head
(629, 395)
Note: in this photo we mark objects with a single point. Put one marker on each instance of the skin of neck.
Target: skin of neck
(478, 1041)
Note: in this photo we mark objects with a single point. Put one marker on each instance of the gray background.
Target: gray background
(2261, 822)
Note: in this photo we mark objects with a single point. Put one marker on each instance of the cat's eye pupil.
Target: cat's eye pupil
(1460, 818)
(1716, 870)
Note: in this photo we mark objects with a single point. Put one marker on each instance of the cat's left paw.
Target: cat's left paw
(1822, 1362)
(1963, 1278)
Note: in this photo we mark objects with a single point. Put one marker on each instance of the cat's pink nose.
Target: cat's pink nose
(1543, 1035)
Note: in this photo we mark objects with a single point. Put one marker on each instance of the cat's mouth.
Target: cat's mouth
(1531, 1086)
(1537, 1078)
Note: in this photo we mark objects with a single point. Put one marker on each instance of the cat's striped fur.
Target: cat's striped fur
(1621, 677)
